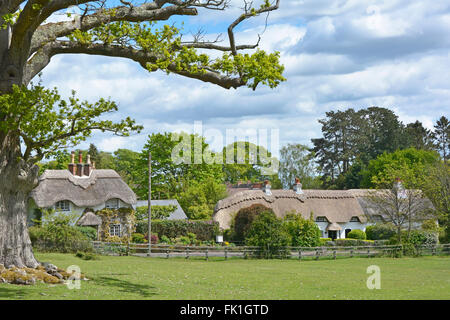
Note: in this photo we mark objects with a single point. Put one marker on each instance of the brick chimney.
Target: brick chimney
(88, 166)
(72, 168)
(267, 187)
(80, 164)
(298, 186)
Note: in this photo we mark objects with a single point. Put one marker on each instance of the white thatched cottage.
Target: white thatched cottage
(82, 190)
(336, 212)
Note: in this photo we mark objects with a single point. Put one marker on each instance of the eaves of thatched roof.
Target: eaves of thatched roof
(338, 206)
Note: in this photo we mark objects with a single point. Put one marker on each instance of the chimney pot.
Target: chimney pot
(267, 188)
(72, 168)
(87, 169)
(298, 186)
(80, 157)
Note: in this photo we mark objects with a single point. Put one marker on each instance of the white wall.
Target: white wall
(77, 211)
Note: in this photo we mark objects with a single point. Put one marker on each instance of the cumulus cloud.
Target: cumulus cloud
(337, 54)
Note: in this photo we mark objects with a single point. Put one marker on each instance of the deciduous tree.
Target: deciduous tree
(39, 119)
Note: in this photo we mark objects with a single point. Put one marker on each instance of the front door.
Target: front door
(332, 234)
(347, 231)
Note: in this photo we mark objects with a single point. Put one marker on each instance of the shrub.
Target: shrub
(243, 220)
(89, 232)
(416, 237)
(165, 239)
(57, 236)
(158, 212)
(325, 241)
(354, 242)
(357, 234)
(137, 238)
(203, 230)
(303, 232)
(86, 255)
(383, 231)
(267, 233)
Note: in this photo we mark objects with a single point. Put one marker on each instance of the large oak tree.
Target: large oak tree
(36, 121)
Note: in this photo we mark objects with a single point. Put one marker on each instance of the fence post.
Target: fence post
(226, 253)
(206, 253)
(434, 250)
(167, 254)
(351, 252)
(317, 254)
(334, 254)
(368, 253)
(187, 253)
(299, 254)
(128, 248)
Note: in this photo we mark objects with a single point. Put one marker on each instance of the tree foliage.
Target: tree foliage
(47, 123)
(303, 232)
(351, 139)
(296, 161)
(268, 233)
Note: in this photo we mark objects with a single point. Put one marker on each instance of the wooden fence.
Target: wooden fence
(300, 253)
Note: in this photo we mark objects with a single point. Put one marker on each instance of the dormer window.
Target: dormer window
(112, 204)
(321, 219)
(355, 219)
(63, 205)
(377, 218)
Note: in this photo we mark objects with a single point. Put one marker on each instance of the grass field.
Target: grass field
(144, 278)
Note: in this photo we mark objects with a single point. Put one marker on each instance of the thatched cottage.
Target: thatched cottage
(336, 212)
(82, 190)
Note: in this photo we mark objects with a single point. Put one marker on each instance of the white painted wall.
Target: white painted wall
(77, 211)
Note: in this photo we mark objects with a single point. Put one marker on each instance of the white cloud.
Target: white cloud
(337, 54)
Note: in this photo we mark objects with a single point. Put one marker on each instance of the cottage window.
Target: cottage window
(354, 219)
(112, 204)
(62, 205)
(321, 219)
(114, 230)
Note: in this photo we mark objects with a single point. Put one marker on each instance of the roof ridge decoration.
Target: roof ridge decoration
(249, 195)
(83, 182)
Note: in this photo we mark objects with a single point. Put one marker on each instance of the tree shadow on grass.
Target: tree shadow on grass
(126, 286)
(15, 293)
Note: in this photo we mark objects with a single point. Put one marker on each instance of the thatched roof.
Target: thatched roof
(100, 186)
(89, 219)
(365, 200)
(336, 205)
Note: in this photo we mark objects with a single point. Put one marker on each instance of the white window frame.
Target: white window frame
(115, 206)
(63, 205)
(115, 230)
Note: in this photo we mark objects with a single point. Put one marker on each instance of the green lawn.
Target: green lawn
(176, 278)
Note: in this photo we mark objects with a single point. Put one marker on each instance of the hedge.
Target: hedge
(380, 232)
(353, 242)
(203, 230)
(357, 234)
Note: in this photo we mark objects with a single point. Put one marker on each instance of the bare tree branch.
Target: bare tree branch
(249, 12)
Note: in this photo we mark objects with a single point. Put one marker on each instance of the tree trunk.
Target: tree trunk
(17, 179)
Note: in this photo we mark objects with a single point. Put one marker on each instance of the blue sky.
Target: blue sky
(338, 54)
